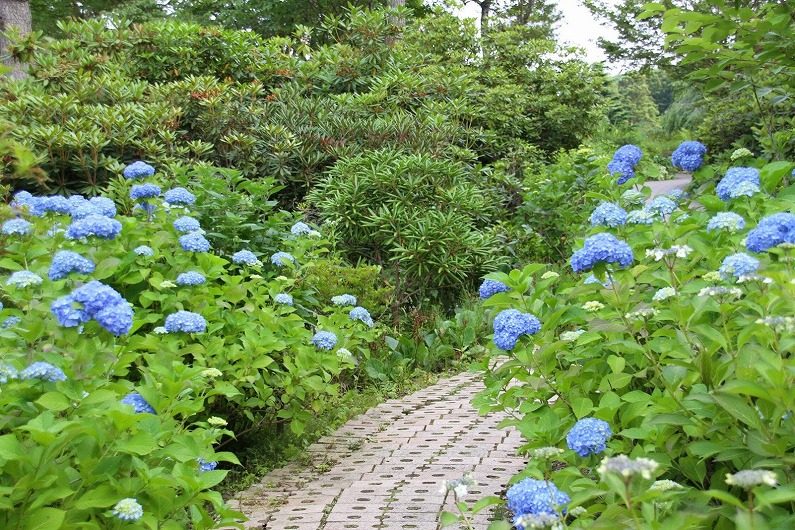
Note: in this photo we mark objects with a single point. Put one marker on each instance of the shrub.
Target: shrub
(671, 365)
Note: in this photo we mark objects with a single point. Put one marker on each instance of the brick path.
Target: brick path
(383, 469)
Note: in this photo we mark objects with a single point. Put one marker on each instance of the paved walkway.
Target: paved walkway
(661, 187)
(383, 469)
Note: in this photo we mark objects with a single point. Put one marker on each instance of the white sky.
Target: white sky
(577, 27)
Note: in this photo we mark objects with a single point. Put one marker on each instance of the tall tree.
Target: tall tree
(14, 18)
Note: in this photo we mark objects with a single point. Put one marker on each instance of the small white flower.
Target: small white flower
(665, 485)
(628, 467)
(212, 372)
(460, 491)
(167, 284)
(215, 420)
(549, 274)
(593, 306)
(160, 330)
(749, 478)
(571, 336)
(664, 294)
(681, 251)
(656, 253)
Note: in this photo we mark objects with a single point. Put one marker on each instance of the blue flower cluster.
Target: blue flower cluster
(661, 205)
(343, 300)
(7, 373)
(205, 465)
(190, 278)
(81, 208)
(245, 257)
(138, 403)
(186, 224)
(601, 248)
(593, 280)
(10, 322)
(94, 225)
(726, 221)
(281, 259)
(65, 262)
(510, 325)
(300, 229)
(96, 301)
(43, 371)
(738, 181)
(179, 196)
(608, 214)
(144, 191)
(772, 231)
(361, 314)
(128, 510)
(324, 340)
(491, 287)
(740, 264)
(589, 436)
(284, 299)
(23, 279)
(641, 217)
(18, 227)
(185, 322)
(138, 170)
(689, 155)
(531, 496)
(624, 161)
(194, 242)
(144, 250)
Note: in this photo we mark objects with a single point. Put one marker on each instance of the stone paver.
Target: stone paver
(383, 469)
(661, 187)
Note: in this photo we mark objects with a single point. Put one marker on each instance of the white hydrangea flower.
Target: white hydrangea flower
(664, 294)
(627, 467)
(593, 306)
(571, 336)
(549, 274)
(749, 478)
(665, 485)
(216, 421)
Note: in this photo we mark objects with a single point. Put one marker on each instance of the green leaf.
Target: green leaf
(448, 519)
(100, 497)
(581, 407)
(500, 525)
(10, 448)
(54, 401)
(616, 363)
(43, 519)
(142, 443)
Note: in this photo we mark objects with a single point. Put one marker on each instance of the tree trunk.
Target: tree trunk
(485, 11)
(13, 14)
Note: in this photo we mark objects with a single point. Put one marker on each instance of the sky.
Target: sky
(578, 27)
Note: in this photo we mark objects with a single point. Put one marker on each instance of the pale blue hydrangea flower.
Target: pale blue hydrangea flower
(43, 371)
(300, 229)
(531, 496)
(661, 205)
(81, 208)
(641, 217)
(23, 279)
(324, 340)
(186, 224)
(282, 258)
(194, 242)
(65, 262)
(246, 257)
(601, 248)
(190, 278)
(589, 436)
(735, 176)
(94, 225)
(145, 251)
(744, 189)
(633, 197)
(16, 227)
(10, 322)
(179, 196)
(676, 194)
(491, 287)
(737, 265)
(608, 214)
(138, 170)
(360, 313)
(128, 509)
(7, 373)
(40, 206)
(510, 325)
(726, 221)
(343, 300)
(283, 298)
(593, 280)
(663, 294)
(185, 322)
(773, 230)
(138, 403)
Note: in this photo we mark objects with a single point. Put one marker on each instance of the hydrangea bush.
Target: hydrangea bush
(658, 393)
(129, 349)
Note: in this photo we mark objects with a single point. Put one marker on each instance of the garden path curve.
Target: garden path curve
(661, 187)
(383, 469)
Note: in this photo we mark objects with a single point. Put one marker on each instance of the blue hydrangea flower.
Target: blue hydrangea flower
(360, 313)
(608, 214)
(179, 196)
(689, 156)
(144, 191)
(65, 262)
(190, 278)
(117, 319)
(97, 301)
(145, 251)
(96, 296)
(491, 287)
(589, 436)
(94, 225)
(43, 371)
(138, 403)
(23, 279)
(67, 313)
(343, 300)
(103, 206)
(146, 207)
(676, 194)
(772, 231)
(185, 322)
(194, 242)
(300, 229)
(128, 509)
(629, 153)
(324, 340)
(641, 217)
(510, 325)
(205, 465)
(10, 322)
(601, 248)
(531, 496)
(731, 185)
(726, 221)
(591, 280)
(138, 170)
(661, 205)
(22, 199)
(245, 257)
(186, 224)
(740, 264)
(282, 258)
(40, 206)
(283, 298)
(16, 227)
(7, 373)
(622, 168)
